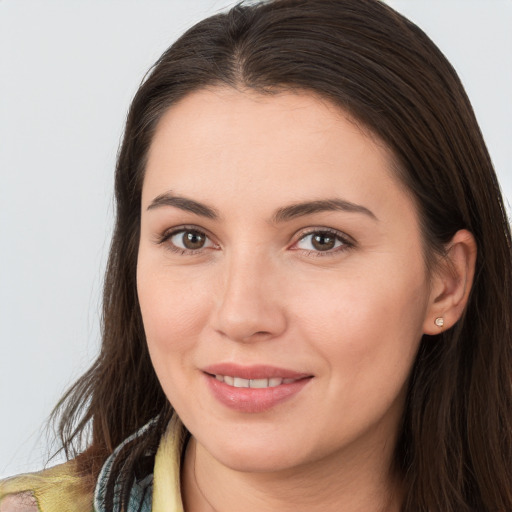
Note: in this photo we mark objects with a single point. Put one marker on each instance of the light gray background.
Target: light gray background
(67, 73)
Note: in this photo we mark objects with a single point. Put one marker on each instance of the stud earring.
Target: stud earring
(439, 321)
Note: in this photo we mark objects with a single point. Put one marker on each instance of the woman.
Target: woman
(307, 303)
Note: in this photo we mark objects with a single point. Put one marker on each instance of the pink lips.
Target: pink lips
(254, 400)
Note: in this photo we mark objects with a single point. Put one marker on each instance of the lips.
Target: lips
(253, 389)
(253, 371)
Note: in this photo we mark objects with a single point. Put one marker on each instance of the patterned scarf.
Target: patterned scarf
(59, 489)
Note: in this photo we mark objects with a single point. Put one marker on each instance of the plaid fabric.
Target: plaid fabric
(141, 494)
(61, 489)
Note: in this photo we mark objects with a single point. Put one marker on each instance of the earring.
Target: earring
(439, 321)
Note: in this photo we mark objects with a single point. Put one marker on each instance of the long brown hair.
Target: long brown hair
(455, 445)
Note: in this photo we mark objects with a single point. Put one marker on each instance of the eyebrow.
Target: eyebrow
(284, 214)
(183, 203)
(326, 205)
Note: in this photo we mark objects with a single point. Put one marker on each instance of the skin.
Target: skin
(259, 292)
(23, 502)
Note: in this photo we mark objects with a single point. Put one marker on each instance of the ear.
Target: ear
(451, 283)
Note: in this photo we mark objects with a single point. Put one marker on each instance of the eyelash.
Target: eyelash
(167, 235)
(346, 242)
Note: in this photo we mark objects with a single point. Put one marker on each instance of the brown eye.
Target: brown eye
(322, 241)
(190, 240)
(193, 240)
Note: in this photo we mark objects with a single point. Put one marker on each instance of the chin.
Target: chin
(256, 461)
(262, 456)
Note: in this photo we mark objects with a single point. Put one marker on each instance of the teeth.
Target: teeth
(241, 383)
(259, 383)
(238, 382)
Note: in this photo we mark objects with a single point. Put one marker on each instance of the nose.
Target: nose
(250, 303)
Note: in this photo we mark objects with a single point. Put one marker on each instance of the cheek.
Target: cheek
(173, 309)
(367, 326)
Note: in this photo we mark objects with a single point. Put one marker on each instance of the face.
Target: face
(281, 278)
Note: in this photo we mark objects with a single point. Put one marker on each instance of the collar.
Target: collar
(160, 491)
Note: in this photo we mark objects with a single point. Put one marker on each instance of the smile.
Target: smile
(255, 388)
(239, 382)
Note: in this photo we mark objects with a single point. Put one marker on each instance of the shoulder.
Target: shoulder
(52, 490)
(20, 502)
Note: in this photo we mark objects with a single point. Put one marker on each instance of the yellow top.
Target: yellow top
(59, 489)
(166, 480)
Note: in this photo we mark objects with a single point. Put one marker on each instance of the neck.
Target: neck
(360, 484)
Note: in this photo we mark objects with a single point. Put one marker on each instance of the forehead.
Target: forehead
(222, 143)
(253, 118)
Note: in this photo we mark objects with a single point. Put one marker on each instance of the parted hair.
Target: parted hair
(454, 450)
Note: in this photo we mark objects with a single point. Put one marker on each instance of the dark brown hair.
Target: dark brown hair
(455, 446)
